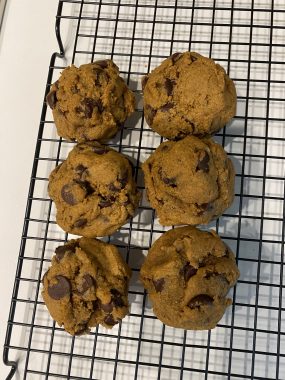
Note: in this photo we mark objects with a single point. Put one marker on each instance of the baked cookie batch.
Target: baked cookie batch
(189, 180)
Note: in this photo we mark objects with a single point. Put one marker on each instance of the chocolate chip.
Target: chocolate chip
(168, 84)
(80, 223)
(203, 163)
(166, 107)
(107, 307)
(109, 320)
(62, 249)
(82, 331)
(175, 57)
(123, 181)
(193, 58)
(97, 305)
(86, 185)
(67, 196)
(80, 169)
(102, 63)
(159, 284)
(188, 271)
(106, 202)
(113, 188)
(61, 289)
(149, 114)
(87, 283)
(144, 81)
(88, 107)
(200, 300)
(168, 181)
(51, 99)
(117, 298)
(100, 150)
(203, 207)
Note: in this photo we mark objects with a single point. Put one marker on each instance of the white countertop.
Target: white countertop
(27, 41)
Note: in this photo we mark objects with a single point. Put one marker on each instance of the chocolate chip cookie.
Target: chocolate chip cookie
(86, 285)
(90, 102)
(188, 274)
(190, 181)
(93, 190)
(188, 94)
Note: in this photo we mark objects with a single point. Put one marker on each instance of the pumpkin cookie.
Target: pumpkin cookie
(188, 94)
(188, 274)
(93, 190)
(190, 181)
(90, 102)
(86, 285)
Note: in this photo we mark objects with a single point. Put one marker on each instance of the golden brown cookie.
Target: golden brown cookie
(90, 102)
(93, 190)
(190, 181)
(86, 285)
(188, 94)
(188, 274)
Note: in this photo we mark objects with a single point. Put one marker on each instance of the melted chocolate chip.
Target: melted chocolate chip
(168, 84)
(80, 223)
(82, 330)
(144, 81)
(203, 163)
(67, 196)
(107, 307)
(193, 58)
(200, 300)
(109, 320)
(188, 271)
(159, 284)
(166, 107)
(175, 57)
(102, 63)
(51, 99)
(87, 283)
(61, 289)
(149, 114)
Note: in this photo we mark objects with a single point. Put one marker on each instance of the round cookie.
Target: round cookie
(188, 274)
(93, 190)
(90, 102)
(188, 94)
(190, 181)
(86, 285)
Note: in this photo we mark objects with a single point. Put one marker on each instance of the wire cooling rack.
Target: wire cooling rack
(248, 39)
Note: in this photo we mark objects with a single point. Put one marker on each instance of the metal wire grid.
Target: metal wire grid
(248, 39)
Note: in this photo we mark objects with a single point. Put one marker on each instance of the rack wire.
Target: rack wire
(248, 39)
